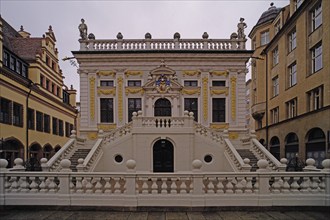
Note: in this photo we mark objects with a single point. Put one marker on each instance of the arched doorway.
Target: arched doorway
(163, 107)
(11, 149)
(48, 151)
(315, 146)
(163, 156)
(275, 147)
(291, 146)
(36, 151)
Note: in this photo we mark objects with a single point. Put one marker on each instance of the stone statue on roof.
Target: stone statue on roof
(83, 30)
(240, 29)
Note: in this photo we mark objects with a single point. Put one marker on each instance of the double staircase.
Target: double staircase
(246, 153)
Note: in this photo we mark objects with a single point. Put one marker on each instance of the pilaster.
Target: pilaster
(205, 99)
(120, 102)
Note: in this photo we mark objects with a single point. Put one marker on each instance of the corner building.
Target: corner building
(290, 80)
(37, 111)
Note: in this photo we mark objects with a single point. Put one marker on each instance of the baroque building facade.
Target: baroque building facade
(290, 80)
(37, 111)
(155, 84)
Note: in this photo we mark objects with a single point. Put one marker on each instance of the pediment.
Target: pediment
(163, 79)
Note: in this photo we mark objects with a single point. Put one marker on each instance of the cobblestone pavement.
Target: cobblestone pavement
(190, 215)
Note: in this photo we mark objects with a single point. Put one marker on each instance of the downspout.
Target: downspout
(267, 132)
(27, 122)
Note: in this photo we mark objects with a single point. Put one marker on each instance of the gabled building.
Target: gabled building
(37, 111)
(290, 79)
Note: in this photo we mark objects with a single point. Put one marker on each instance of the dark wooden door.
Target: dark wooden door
(163, 108)
(163, 156)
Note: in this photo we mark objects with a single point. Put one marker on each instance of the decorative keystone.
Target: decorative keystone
(263, 165)
(131, 164)
(3, 164)
(197, 164)
(326, 166)
(65, 165)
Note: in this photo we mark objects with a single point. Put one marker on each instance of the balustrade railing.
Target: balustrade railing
(239, 163)
(162, 44)
(53, 163)
(262, 188)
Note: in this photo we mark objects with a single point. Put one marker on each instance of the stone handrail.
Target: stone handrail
(162, 44)
(274, 164)
(163, 122)
(65, 150)
(93, 153)
(235, 157)
(207, 132)
(203, 189)
(118, 132)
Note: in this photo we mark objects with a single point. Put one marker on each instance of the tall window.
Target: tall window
(12, 63)
(60, 128)
(134, 83)
(264, 38)
(46, 123)
(5, 111)
(191, 105)
(275, 56)
(47, 84)
(39, 122)
(108, 83)
(17, 114)
(219, 110)
(292, 40)
(315, 99)
(106, 110)
(67, 129)
(6, 59)
(42, 79)
(192, 83)
(19, 67)
(66, 97)
(274, 115)
(55, 125)
(134, 105)
(276, 86)
(316, 16)
(30, 118)
(291, 108)
(317, 58)
(292, 74)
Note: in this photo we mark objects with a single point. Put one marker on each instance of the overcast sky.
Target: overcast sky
(133, 19)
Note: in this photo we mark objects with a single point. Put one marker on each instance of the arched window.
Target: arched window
(48, 151)
(11, 149)
(291, 146)
(35, 151)
(315, 145)
(275, 147)
(163, 107)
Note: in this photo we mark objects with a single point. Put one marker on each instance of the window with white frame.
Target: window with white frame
(317, 58)
(291, 107)
(292, 74)
(264, 38)
(276, 86)
(275, 56)
(315, 99)
(274, 115)
(316, 16)
(292, 40)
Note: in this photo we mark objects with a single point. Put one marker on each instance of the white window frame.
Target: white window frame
(264, 38)
(276, 86)
(275, 115)
(315, 99)
(292, 40)
(275, 56)
(293, 74)
(316, 16)
(317, 63)
(292, 108)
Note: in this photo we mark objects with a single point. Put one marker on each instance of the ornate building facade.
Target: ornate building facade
(37, 111)
(290, 79)
(161, 80)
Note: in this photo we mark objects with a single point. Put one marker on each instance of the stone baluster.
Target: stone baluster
(145, 186)
(174, 187)
(248, 186)
(25, 184)
(107, 186)
(89, 186)
(116, 187)
(79, 185)
(154, 186)
(295, 185)
(276, 185)
(98, 185)
(163, 186)
(305, 185)
(286, 186)
(34, 185)
(240, 184)
(314, 184)
(229, 186)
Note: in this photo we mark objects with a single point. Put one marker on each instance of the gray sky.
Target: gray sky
(105, 18)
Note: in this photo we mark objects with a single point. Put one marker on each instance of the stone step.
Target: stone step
(246, 153)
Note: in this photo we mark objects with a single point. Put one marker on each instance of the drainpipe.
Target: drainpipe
(267, 131)
(27, 122)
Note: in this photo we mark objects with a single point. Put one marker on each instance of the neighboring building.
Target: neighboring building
(290, 79)
(161, 79)
(37, 111)
(249, 121)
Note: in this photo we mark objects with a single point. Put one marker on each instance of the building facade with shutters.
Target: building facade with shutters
(290, 80)
(37, 111)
